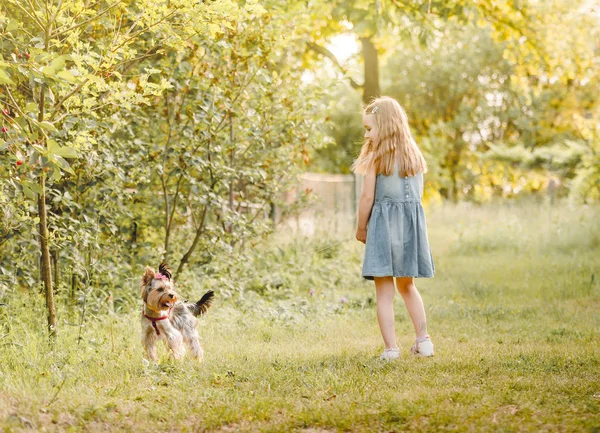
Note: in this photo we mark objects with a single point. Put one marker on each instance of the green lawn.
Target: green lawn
(513, 311)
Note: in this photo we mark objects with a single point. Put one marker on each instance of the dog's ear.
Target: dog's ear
(148, 276)
(165, 270)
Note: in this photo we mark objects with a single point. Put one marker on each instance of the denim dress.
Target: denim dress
(397, 243)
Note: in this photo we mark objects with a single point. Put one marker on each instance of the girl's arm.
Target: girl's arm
(365, 205)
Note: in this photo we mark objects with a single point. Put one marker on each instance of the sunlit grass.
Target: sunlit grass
(513, 311)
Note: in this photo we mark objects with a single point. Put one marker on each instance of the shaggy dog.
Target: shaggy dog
(165, 317)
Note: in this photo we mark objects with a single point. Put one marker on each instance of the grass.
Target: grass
(513, 311)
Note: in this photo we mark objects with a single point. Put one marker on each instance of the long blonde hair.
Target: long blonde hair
(395, 144)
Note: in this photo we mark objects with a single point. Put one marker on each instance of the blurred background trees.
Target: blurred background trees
(136, 131)
(500, 104)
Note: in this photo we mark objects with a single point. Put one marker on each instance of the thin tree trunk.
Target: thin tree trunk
(46, 268)
(55, 280)
(43, 215)
(73, 285)
(231, 161)
(41, 269)
(190, 251)
(132, 242)
(454, 192)
(371, 87)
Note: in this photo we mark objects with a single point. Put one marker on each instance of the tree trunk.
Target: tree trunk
(133, 242)
(453, 164)
(55, 280)
(73, 286)
(190, 251)
(371, 87)
(43, 215)
(46, 268)
(229, 227)
(453, 178)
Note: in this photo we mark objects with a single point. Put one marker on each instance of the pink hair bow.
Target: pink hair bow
(159, 276)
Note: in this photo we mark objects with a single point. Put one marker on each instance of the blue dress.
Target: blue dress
(397, 243)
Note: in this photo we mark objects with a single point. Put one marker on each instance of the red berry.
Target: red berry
(4, 129)
(5, 112)
(19, 162)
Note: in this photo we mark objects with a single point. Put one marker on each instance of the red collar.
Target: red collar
(156, 319)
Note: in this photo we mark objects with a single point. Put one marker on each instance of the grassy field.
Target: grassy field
(513, 312)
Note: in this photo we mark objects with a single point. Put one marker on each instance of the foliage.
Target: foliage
(143, 125)
(478, 90)
(226, 140)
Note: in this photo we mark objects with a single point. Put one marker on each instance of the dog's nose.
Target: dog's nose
(171, 296)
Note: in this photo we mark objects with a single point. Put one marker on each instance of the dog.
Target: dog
(166, 318)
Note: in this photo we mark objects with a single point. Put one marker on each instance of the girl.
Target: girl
(396, 235)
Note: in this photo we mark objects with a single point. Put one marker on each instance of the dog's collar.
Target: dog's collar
(155, 319)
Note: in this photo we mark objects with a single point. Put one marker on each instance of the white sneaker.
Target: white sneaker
(423, 347)
(389, 354)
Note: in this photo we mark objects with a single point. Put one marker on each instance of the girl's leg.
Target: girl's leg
(385, 310)
(414, 304)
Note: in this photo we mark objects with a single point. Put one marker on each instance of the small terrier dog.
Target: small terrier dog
(166, 318)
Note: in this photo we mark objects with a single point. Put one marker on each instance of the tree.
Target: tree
(180, 127)
(487, 79)
(380, 25)
(226, 139)
(62, 72)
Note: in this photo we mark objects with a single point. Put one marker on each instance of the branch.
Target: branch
(199, 233)
(62, 101)
(34, 17)
(164, 188)
(16, 106)
(328, 54)
(220, 126)
(58, 9)
(174, 204)
(59, 31)
(145, 29)
(131, 62)
(74, 17)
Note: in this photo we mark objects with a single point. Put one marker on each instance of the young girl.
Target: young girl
(396, 234)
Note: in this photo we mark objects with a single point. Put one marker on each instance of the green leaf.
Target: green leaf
(27, 192)
(63, 164)
(5, 78)
(47, 126)
(32, 186)
(55, 175)
(12, 25)
(58, 63)
(67, 76)
(32, 107)
(65, 152)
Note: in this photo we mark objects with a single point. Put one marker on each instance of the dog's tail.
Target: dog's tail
(203, 304)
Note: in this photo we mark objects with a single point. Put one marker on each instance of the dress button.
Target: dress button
(406, 195)
(405, 177)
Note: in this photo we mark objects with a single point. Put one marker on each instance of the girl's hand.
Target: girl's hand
(361, 235)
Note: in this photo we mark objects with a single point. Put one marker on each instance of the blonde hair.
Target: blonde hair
(395, 144)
